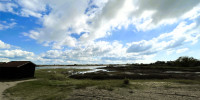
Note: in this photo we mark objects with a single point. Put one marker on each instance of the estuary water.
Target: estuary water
(92, 68)
(69, 67)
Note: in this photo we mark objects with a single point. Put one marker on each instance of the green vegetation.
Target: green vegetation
(126, 81)
(58, 84)
(183, 61)
(54, 84)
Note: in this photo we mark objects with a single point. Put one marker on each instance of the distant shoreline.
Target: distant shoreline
(67, 65)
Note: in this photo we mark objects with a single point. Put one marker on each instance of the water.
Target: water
(70, 67)
(92, 68)
(181, 72)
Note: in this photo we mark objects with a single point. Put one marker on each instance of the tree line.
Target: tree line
(183, 61)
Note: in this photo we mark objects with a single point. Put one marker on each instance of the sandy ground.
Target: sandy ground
(153, 91)
(5, 85)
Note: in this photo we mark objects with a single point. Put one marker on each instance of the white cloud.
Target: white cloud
(113, 15)
(4, 45)
(34, 8)
(21, 55)
(52, 54)
(7, 54)
(5, 25)
(139, 46)
(8, 7)
(96, 19)
(193, 13)
(67, 17)
(164, 9)
(4, 60)
(183, 34)
(14, 54)
(27, 13)
(34, 5)
(93, 52)
(182, 50)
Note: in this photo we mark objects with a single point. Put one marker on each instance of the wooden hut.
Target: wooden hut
(17, 69)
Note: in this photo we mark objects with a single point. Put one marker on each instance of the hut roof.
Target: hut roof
(15, 63)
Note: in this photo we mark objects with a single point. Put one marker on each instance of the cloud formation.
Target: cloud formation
(96, 19)
(4, 45)
(74, 28)
(15, 54)
(5, 25)
(8, 7)
(184, 33)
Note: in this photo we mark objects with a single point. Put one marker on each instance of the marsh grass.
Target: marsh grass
(55, 84)
(138, 86)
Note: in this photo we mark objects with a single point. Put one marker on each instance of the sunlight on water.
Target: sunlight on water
(92, 68)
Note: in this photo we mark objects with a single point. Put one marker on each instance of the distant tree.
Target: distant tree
(170, 63)
(110, 65)
(160, 63)
(186, 62)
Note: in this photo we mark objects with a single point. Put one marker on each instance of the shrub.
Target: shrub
(126, 81)
(186, 62)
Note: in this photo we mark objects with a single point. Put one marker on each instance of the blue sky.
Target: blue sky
(98, 31)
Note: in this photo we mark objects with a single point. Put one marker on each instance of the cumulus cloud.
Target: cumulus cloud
(13, 54)
(8, 7)
(66, 17)
(165, 9)
(18, 54)
(77, 26)
(32, 8)
(139, 46)
(94, 19)
(4, 45)
(92, 52)
(183, 34)
(24, 8)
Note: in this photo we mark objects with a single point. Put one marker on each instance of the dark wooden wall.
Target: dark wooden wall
(26, 71)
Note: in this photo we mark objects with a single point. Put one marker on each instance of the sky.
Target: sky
(98, 31)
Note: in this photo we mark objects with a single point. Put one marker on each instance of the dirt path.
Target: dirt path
(6, 85)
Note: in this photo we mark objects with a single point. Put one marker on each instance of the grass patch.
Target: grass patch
(137, 86)
(55, 84)
(43, 89)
